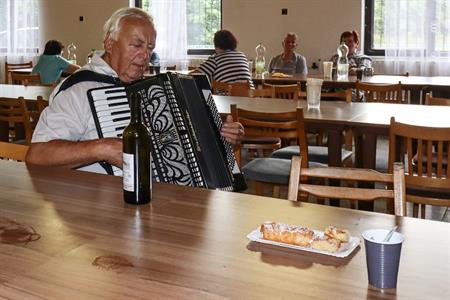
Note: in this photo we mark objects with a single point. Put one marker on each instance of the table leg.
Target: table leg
(365, 157)
(334, 157)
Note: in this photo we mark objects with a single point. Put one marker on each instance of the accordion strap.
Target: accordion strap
(87, 75)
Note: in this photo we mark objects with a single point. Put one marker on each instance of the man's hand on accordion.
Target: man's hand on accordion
(233, 132)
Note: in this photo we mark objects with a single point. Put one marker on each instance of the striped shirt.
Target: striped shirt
(228, 66)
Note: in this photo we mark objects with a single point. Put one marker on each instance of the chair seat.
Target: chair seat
(271, 170)
(315, 153)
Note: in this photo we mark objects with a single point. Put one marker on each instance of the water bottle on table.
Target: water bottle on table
(342, 62)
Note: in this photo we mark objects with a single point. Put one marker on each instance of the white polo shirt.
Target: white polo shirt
(69, 116)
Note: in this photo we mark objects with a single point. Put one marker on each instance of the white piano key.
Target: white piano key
(100, 94)
(110, 102)
(111, 109)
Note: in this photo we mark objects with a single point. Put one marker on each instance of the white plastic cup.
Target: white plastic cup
(184, 65)
(313, 90)
(327, 69)
(382, 258)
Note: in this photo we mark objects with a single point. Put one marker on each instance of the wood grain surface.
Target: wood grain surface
(68, 235)
(27, 92)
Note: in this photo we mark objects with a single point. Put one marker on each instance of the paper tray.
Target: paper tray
(344, 251)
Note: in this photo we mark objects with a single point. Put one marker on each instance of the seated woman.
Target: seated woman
(289, 62)
(227, 64)
(51, 64)
(355, 59)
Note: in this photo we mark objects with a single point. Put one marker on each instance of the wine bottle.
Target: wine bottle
(137, 183)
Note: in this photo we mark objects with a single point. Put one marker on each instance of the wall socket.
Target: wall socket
(284, 11)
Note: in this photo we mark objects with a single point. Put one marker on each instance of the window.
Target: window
(414, 25)
(19, 27)
(204, 18)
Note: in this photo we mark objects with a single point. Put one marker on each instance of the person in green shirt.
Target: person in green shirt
(51, 64)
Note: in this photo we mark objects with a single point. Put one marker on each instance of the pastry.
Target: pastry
(339, 234)
(326, 244)
(284, 233)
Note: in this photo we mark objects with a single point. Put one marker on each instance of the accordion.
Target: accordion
(184, 124)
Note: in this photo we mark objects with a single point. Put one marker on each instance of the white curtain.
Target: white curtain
(19, 32)
(171, 26)
(417, 37)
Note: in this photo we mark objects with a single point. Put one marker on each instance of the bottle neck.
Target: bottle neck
(136, 108)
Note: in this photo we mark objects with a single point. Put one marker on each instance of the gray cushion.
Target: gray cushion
(316, 153)
(270, 170)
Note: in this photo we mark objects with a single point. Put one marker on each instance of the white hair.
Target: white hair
(112, 25)
(291, 34)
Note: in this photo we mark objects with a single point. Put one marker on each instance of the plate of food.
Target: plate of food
(333, 241)
(280, 75)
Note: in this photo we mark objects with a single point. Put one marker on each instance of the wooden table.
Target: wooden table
(439, 85)
(27, 92)
(22, 70)
(365, 119)
(188, 244)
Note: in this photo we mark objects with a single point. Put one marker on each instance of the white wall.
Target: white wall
(318, 23)
(60, 21)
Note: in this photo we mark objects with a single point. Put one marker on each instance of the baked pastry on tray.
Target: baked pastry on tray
(303, 236)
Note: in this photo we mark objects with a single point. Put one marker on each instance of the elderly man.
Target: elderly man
(66, 134)
(289, 62)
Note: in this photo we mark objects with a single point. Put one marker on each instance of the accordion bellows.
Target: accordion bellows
(187, 148)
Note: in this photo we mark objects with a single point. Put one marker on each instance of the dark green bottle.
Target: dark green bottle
(137, 183)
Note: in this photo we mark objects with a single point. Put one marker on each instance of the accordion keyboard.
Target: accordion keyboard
(113, 112)
(112, 109)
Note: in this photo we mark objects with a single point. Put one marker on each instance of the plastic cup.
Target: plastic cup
(327, 69)
(184, 65)
(313, 90)
(383, 258)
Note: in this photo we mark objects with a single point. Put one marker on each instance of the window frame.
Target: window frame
(368, 30)
(138, 3)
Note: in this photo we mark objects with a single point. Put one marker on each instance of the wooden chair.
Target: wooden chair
(25, 79)
(265, 170)
(10, 151)
(11, 67)
(242, 91)
(171, 68)
(430, 100)
(290, 91)
(36, 110)
(224, 88)
(424, 152)
(385, 93)
(41, 104)
(13, 112)
(318, 189)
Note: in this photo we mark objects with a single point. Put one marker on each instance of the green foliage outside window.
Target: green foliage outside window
(203, 20)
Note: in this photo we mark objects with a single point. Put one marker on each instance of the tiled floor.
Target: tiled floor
(432, 212)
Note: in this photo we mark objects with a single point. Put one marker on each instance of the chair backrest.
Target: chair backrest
(11, 67)
(289, 91)
(14, 111)
(41, 104)
(10, 151)
(25, 79)
(241, 91)
(224, 88)
(285, 125)
(171, 68)
(318, 189)
(426, 156)
(386, 93)
(430, 100)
